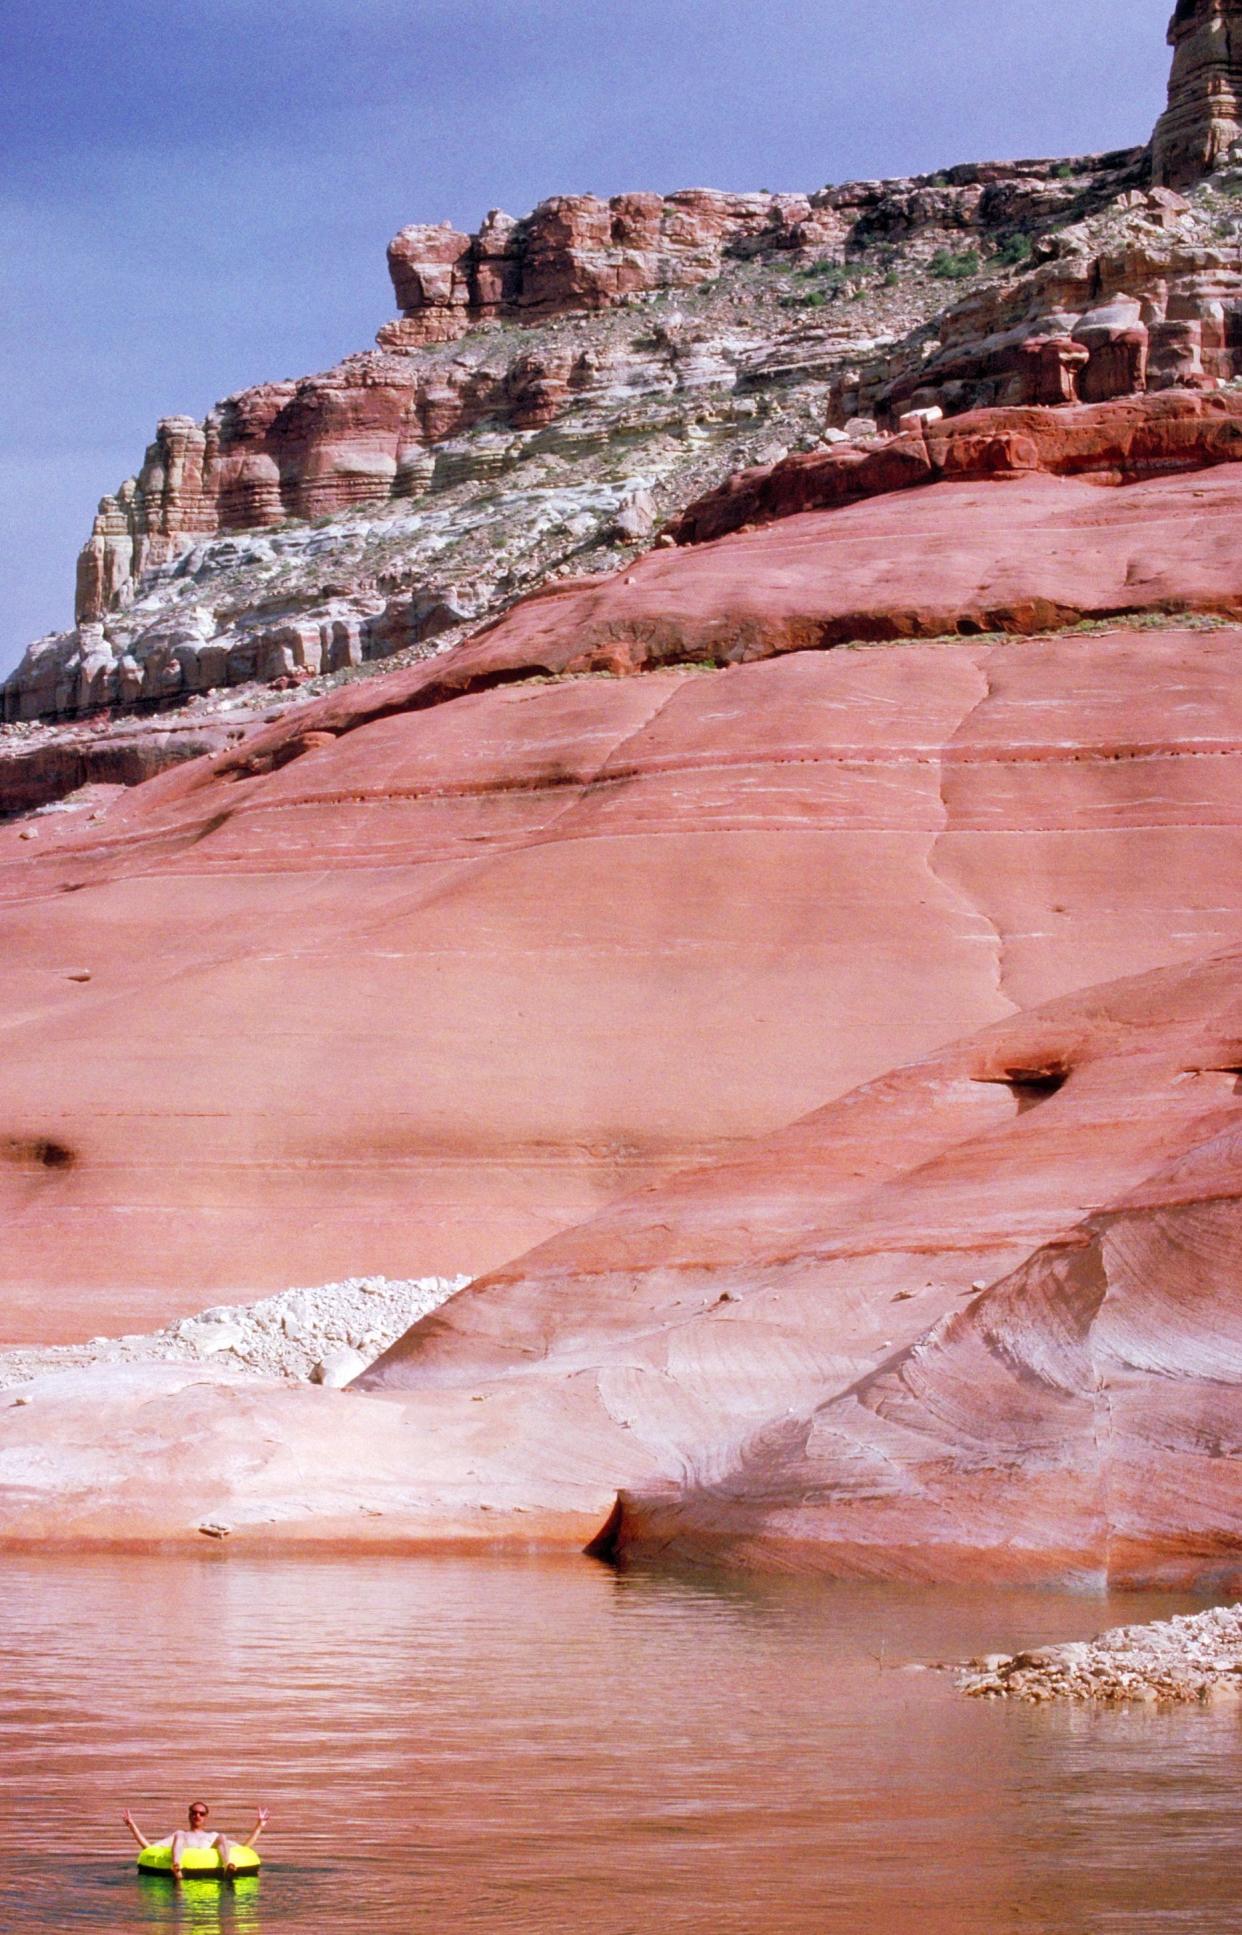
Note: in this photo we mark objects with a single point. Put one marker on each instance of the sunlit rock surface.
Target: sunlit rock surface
(554, 387)
(1204, 116)
(977, 1320)
(414, 977)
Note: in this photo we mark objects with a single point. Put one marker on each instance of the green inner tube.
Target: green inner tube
(204, 1864)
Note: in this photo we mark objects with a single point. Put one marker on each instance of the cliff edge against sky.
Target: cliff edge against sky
(774, 923)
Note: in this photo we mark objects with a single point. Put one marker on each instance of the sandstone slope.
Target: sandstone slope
(408, 983)
(974, 1320)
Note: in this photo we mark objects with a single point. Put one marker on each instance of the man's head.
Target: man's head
(198, 1811)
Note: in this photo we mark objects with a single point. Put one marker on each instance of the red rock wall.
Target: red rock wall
(981, 1320)
(283, 450)
(432, 969)
(1117, 444)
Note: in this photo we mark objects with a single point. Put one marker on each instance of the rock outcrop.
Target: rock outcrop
(1159, 313)
(978, 1320)
(1114, 446)
(306, 528)
(1203, 121)
(810, 948)
(438, 964)
(578, 252)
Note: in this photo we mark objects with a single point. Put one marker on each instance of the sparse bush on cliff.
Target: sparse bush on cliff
(948, 267)
(1015, 250)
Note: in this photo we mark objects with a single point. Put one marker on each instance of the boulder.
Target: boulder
(338, 1368)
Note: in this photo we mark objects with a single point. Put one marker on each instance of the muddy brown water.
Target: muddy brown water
(458, 1745)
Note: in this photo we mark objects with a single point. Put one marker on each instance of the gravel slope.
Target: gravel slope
(326, 1334)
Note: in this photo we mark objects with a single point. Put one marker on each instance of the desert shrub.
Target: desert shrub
(833, 274)
(948, 267)
(1015, 250)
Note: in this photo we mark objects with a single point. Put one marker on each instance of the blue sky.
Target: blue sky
(196, 194)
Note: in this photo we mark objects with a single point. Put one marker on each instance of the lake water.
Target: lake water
(546, 1746)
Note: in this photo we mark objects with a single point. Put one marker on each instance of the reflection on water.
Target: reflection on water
(199, 1904)
(465, 1745)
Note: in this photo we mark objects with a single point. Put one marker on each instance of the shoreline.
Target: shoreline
(1191, 1658)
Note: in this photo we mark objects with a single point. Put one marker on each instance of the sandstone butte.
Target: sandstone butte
(872, 1014)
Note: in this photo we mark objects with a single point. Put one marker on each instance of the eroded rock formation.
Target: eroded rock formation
(977, 1320)
(1159, 313)
(1115, 445)
(1203, 120)
(854, 1034)
(303, 1049)
(308, 527)
(577, 252)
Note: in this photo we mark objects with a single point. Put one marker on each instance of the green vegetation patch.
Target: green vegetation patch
(948, 267)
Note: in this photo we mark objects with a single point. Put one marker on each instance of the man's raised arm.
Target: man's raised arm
(260, 1822)
(135, 1830)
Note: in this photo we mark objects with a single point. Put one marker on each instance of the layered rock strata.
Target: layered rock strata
(579, 252)
(310, 527)
(1115, 446)
(977, 1320)
(1158, 313)
(433, 965)
(1203, 121)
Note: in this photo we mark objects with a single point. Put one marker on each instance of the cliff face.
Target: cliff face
(580, 253)
(556, 386)
(978, 1320)
(451, 961)
(1203, 120)
(553, 388)
(1158, 307)
(803, 929)
(441, 963)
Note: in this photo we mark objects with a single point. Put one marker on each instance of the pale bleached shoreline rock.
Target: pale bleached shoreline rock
(1196, 1657)
(307, 1335)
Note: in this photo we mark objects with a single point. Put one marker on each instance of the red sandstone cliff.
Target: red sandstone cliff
(811, 950)
(459, 957)
(443, 962)
(976, 1320)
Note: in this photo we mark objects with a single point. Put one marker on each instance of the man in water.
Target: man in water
(199, 1835)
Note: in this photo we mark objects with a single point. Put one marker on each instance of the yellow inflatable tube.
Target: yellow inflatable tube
(201, 1863)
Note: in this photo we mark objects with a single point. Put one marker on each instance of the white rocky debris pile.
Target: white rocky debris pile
(325, 1335)
(1195, 1657)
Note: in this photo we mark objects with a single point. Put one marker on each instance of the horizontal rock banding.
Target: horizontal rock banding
(469, 812)
(578, 252)
(1157, 313)
(1112, 444)
(1203, 121)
